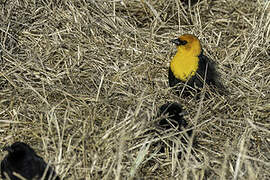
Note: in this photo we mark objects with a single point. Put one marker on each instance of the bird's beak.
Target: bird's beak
(178, 42)
(8, 149)
(175, 41)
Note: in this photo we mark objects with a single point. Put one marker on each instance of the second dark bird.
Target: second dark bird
(174, 117)
(23, 160)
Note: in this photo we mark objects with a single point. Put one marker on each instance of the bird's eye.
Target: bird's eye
(183, 42)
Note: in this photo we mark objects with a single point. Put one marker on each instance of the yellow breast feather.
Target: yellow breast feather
(184, 66)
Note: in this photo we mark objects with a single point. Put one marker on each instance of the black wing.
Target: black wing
(211, 76)
(5, 168)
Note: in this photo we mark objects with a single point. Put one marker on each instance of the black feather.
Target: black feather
(175, 114)
(174, 118)
(22, 159)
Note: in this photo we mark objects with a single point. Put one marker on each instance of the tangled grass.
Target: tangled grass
(81, 82)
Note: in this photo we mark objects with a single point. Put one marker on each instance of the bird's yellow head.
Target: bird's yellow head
(188, 44)
(186, 61)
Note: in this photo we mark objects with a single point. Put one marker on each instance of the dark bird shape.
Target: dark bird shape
(190, 66)
(174, 117)
(191, 2)
(22, 160)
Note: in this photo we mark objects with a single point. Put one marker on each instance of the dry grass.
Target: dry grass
(81, 82)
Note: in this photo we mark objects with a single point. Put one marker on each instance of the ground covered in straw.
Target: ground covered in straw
(82, 81)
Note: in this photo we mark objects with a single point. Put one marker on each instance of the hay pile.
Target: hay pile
(81, 82)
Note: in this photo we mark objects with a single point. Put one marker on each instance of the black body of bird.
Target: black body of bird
(22, 159)
(175, 117)
(172, 117)
(191, 2)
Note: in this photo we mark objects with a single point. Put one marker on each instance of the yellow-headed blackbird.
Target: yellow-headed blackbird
(22, 160)
(190, 66)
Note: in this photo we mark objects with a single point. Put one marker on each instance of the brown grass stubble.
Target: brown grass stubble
(82, 82)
